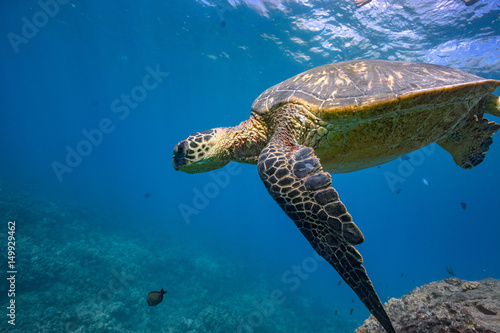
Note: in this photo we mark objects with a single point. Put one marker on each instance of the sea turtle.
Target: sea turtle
(344, 117)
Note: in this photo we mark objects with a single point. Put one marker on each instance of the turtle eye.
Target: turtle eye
(180, 148)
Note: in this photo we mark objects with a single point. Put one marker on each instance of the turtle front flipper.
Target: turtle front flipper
(295, 179)
(469, 142)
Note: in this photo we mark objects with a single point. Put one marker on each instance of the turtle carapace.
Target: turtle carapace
(344, 117)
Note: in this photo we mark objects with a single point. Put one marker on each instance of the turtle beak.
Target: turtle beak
(179, 155)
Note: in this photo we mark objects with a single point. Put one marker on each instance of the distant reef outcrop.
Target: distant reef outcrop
(447, 306)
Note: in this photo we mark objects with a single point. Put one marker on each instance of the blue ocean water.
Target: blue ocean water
(95, 96)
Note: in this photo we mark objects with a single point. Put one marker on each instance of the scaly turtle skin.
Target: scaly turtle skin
(350, 115)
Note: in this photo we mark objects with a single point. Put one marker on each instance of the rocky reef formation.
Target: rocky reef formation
(448, 306)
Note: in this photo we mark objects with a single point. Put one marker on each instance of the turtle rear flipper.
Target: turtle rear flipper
(469, 143)
(295, 179)
(490, 104)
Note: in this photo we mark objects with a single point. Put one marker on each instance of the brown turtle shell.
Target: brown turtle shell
(360, 85)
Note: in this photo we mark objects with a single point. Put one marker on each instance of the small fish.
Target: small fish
(147, 195)
(336, 312)
(402, 274)
(405, 158)
(398, 191)
(155, 297)
(350, 312)
(464, 205)
(426, 182)
(450, 270)
(340, 283)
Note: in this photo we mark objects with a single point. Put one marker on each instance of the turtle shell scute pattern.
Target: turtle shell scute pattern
(355, 83)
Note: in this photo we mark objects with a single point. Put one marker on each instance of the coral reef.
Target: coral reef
(448, 306)
(76, 275)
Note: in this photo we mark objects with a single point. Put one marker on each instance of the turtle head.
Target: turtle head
(201, 152)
